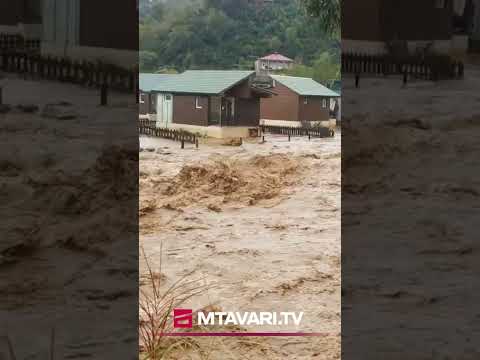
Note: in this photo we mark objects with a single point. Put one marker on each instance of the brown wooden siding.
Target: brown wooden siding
(241, 90)
(284, 106)
(20, 11)
(247, 112)
(417, 20)
(9, 12)
(32, 11)
(109, 24)
(361, 20)
(313, 110)
(384, 20)
(184, 111)
(215, 113)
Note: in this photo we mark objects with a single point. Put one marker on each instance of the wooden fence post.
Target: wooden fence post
(104, 95)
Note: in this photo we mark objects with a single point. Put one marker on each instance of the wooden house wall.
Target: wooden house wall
(417, 20)
(109, 24)
(384, 20)
(13, 12)
(361, 20)
(313, 110)
(10, 12)
(284, 106)
(241, 90)
(32, 11)
(247, 112)
(185, 111)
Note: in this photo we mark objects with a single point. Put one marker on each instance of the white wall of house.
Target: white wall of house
(265, 65)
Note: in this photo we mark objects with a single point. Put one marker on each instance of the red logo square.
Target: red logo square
(182, 318)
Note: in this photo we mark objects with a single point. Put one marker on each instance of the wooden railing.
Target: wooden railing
(148, 127)
(434, 67)
(321, 132)
(22, 56)
(63, 69)
(17, 43)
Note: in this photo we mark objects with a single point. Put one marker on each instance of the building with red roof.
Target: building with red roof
(273, 62)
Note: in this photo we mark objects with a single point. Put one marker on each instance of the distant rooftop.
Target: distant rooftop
(304, 86)
(276, 57)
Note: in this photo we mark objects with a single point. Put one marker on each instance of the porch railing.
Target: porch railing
(21, 56)
(434, 67)
(320, 132)
(148, 127)
(14, 42)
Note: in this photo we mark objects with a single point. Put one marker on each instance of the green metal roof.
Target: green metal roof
(147, 82)
(304, 86)
(202, 81)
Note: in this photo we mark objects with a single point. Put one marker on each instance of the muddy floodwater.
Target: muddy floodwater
(259, 224)
(68, 195)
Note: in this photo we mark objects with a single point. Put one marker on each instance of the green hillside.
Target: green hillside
(230, 34)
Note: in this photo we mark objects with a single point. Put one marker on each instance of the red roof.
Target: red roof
(276, 57)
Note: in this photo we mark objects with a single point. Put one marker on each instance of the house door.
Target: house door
(164, 110)
(228, 111)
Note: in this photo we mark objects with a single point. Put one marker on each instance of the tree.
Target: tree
(229, 34)
(148, 60)
(327, 11)
(324, 69)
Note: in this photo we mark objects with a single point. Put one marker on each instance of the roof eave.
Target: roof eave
(238, 82)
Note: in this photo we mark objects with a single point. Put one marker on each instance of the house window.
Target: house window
(324, 103)
(305, 100)
(142, 99)
(197, 103)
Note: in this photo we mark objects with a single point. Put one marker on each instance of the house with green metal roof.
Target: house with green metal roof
(146, 83)
(298, 102)
(216, 103)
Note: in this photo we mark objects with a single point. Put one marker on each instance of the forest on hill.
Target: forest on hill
(176, 35)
